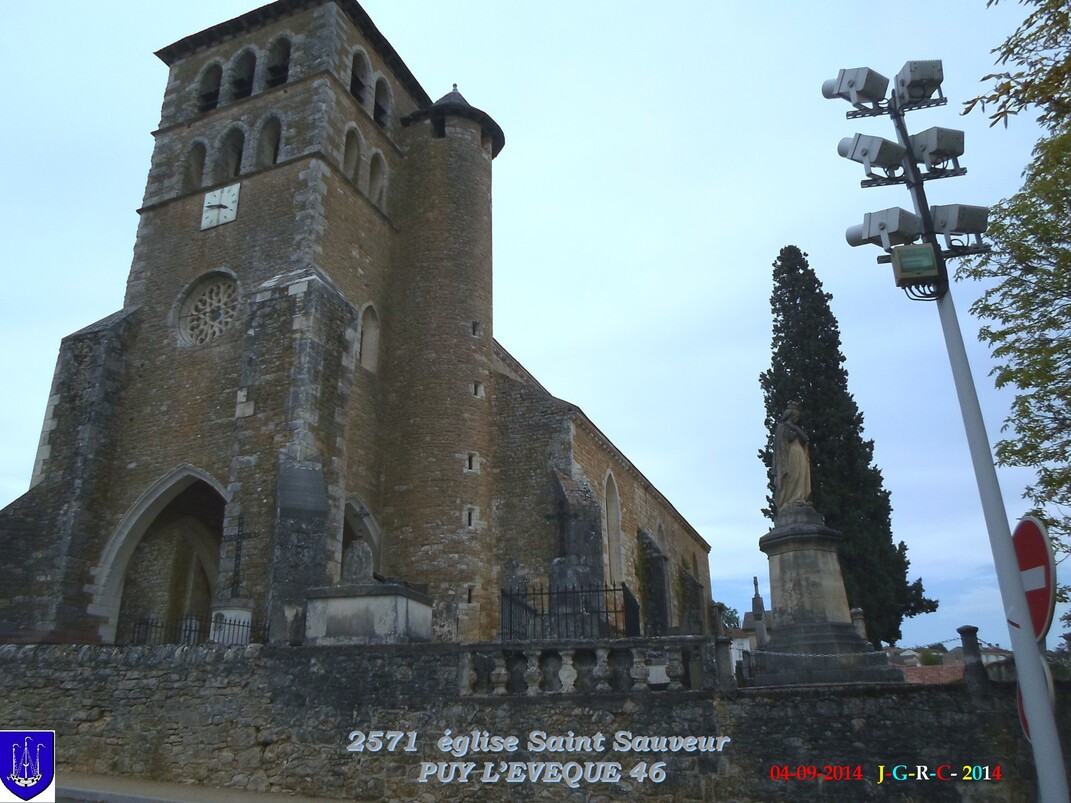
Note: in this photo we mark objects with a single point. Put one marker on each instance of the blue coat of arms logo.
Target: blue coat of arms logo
(33, 762)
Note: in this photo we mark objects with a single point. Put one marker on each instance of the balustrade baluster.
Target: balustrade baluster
(567, 674)
(639, 672)
(499, 675)
(531, 674)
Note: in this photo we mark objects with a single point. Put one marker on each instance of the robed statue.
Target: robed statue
(791, 462)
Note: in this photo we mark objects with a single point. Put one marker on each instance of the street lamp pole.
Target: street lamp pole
(1044, 739)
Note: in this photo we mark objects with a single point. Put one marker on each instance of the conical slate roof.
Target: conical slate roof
(451, 97)
(454, 103)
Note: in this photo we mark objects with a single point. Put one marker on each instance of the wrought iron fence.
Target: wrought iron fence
(569, 613)
(217, 629)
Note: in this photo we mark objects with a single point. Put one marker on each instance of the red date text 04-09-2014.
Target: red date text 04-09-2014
(815, 772)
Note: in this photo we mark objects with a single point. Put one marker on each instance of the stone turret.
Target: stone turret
(439, 385)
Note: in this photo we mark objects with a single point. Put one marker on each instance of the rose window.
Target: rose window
(210, 310)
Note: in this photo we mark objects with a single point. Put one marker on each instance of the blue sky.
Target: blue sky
(657, 159)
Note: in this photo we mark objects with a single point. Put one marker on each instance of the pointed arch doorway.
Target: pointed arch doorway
(171, 567)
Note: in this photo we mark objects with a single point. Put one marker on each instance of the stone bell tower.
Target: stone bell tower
(302, 360)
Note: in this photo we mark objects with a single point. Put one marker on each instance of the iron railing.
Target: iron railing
(218, 629)
(581, 612)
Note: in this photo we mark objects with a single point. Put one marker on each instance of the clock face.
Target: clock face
(210, 213)
(221, 206)
(228, 200)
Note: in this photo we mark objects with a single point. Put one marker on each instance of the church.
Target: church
(301, 404)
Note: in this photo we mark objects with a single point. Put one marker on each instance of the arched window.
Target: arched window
(242, 79)
(368, 356)
(194, 174)
(377, 181)
(614, 556)
(381, 109)
(279, 63)
(268, 145)
(351, 160)
(230, 155)
(359, 77)
(208, 94)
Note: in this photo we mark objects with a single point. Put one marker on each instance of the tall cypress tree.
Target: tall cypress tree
(807, 367)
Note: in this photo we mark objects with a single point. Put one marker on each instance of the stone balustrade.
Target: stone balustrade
(589, 666)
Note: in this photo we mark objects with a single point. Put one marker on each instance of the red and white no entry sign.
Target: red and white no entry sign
(1038, 570)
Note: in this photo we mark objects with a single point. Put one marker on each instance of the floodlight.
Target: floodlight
(872, 152)
(960, 219)
(857, 86)
(886, 228)
(936, 145)
(918, 80)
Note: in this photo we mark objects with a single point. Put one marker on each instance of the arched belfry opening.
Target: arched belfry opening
(169, 581)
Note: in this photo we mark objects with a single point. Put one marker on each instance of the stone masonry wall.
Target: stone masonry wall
(643, 508)
(531, 433)
(277, 719)
(44, 589)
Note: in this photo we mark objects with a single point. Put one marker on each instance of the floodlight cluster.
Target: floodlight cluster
(916, 86)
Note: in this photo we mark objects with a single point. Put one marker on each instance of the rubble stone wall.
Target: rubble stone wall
(278, 719)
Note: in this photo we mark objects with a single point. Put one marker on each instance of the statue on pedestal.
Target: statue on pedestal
(814, 639)
(791, 462)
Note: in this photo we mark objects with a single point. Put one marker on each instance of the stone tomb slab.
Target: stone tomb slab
(379, 613)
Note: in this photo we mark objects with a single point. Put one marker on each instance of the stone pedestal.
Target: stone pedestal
(813, 639)
(367, 613)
